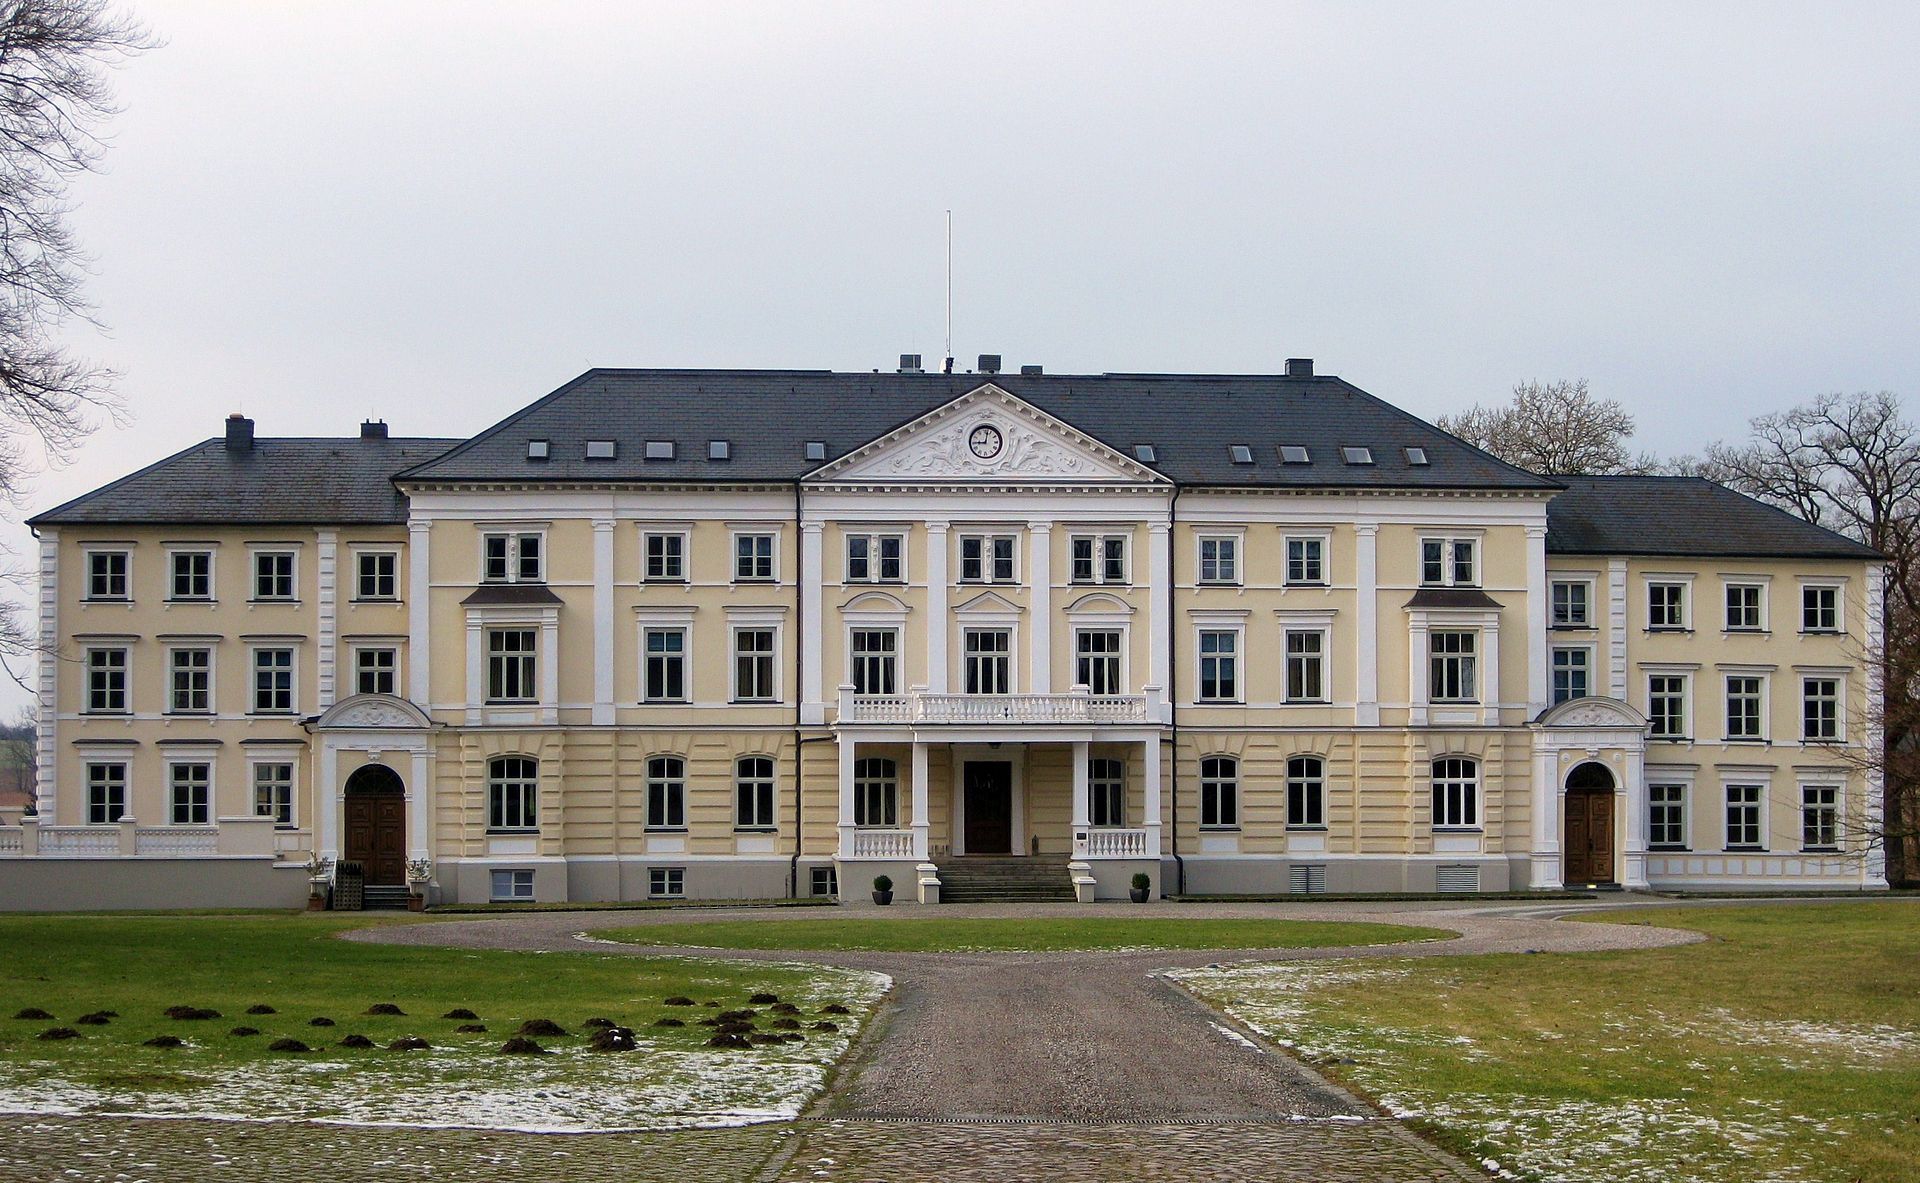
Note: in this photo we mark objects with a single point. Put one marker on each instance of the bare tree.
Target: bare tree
(1553, 427)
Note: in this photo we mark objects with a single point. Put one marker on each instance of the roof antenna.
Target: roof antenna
(949, 366)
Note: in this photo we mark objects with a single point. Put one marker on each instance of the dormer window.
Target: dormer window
(659, 449)
(816, 450)
(1143, 453)
(719, 450)
(538, 449)
(600, 449)
(1240, 453)
(1294, 454)
(1357, 455)
(1417, 457)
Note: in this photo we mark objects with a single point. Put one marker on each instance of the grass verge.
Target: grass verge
(1038, 935)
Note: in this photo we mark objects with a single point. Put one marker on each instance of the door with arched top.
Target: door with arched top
(1588, 841)
(376, 824)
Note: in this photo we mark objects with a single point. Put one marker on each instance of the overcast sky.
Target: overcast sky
(435, 213)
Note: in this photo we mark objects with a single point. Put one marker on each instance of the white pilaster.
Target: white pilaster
(1040, 581)
(419, 641)
(1490, 675)
(1366, 626)
(46, 733)
(1546, 820)
(1617, 628)
(420, 806)
(1082, 807)
(1160, 614)
(1539, 682)
(603, 646)
(1151, 792)
(326, 799)
(327, 609)
(1417, 673)
(846, 797)
(550, 668)
(921, 818)
(1873, 870)
(937, 588)
(1634, 849)
(476, 668)
(813, 694)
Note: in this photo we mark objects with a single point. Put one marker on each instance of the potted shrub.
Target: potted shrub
(882, 889)
(1142, 884)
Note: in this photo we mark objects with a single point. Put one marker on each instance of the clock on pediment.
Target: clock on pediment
(984, 441)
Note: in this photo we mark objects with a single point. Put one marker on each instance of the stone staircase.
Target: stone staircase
(383, 896)
(977, 879)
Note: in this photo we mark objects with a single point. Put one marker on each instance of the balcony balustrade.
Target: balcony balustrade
(1080, 706)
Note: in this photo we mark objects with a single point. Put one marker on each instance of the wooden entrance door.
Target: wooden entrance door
(376, 824)
(1588, 848)
(989, 808)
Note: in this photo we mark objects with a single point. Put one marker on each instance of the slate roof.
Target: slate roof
(1682, 516)
(768, 417)
(278, 482)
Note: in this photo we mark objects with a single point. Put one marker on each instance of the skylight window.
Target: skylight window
(816, 450)
(600, 449)
(1240, 453)
(1294, 454)
(1357, 455)
(1417, 457)
(1143, 453)
(659, 449)
(719, 450)
(536, 449)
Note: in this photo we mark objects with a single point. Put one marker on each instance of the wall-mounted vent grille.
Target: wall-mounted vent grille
(1461, 878)
(1307, 879)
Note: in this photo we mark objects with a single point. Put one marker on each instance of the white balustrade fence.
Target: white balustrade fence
(920, 706)
(882, 844)
(1115, 842)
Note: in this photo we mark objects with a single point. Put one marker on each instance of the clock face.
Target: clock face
(985, 441)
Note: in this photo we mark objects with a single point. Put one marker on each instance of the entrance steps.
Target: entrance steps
(379, 895)
(971, 879)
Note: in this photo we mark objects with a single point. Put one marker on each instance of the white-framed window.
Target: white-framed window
(273, 680)
(1219, 556)
(1744, 817)
(512, 557)
(754, 676)
(1220, 793)
(274, 575)
(989, 660)
(1572, 672)
(508, 886)
(106, 681)
(665, 553)
(823, 881)
(376, 575)
(1572, 603)
(666, 793)
(753, 560)
(1819, 608)
(1219, 665)
(1097, 558)
(513, 793)
(189, 793)
(874, 660)
(876, 792)
(190, 680)
(987, 558)
(1450, 562)
(376, 670)
(753, 793)
(1107, 791)
(106, 792)
(109, 575)
(273, 791)
(664, 675)
(1746, 607)
(1096, 660)
(1746, 706)
(1667, 706)
(513, 665)
(1820, 817)
(666, 883)
(1306, 793)
(1306, 659)
(876, 558)
(1666, 607)
(190, 575)
(1306, 560)
(1820, 709)
(1452, 661)
(1667, 816)
(1456, 793)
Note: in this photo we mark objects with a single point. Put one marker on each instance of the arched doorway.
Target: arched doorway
(376, 837)
(1587, 849)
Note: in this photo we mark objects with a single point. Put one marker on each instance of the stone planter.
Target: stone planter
(1139, 895)
(883, 897)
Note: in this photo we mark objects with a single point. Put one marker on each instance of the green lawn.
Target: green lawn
(140, 966)
(1787, 1047)
(1069, 934)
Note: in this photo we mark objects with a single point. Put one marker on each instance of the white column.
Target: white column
(1546, 818)
(1366, 628)
(1040, 580)
(846, 796)
(550, 667)
(476, 669)
(1082, 808)
(920, 818)
(419, 687)
(1160, 612)
(937, 607)
(1417, 673)
(1617, 628)
(1152, 792)
(1538, 682)
(813, 692)
(1873, 870)
(326, 801)
(46, 732)
(603, 647)
(420, 807)
(1634, 873)
(327, 609)
(1490, 688)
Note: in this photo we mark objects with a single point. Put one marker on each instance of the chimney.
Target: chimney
(910, 363)
(373, 429)
(1032, 371)
(239, 433)
(1299, 367)
(989, 363)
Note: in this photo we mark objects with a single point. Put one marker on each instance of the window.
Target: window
(190, 792)
(1417, 457)
(1456, 793)
(1240, 454)
(1820, 817)
(1743, 607)
(272, 681)
(986, 558)
(719, 450)
(273, 575)
(1107, 792)
(752, 558)
(1096, 660)
(1306, 665)
(1451, 659)
(106, 680)
(1820, 709)
(1294, 454)
(1306, 792)
(539, 449)
(1572, 673)
(1743, 817)
(656, 449)
(753, 676)
(607, 450)
(1219, 665)
(1098, 559)
(378, 577)
(874, 558)
(1306, 561)
(1219, 560)
(1667, 705)
(273, 792)
(989, 654)
(666, 793)
(1144, 453)
(816, 450)
(1570, 604)
(1357, 455)
(106, 793)
(1449, 562)
(1667, 817)
(376, 671)
(666, 883)
(666, 665)
(1743, 707)
(508, 886)
(510, 558)
(512, 665)
(822, 881)
(876, 786)
(107, 574)
(513, 784)
(875, 660)
(191, 577)
(753, 793)
(1220, 792)
(1666, 606)
(1819, 609)
(189, 681)
(666, 557)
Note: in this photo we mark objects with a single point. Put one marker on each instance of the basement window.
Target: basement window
(719, 450)
(1240, 453)
(1357, 455)
(1294, 454)
(600, 449)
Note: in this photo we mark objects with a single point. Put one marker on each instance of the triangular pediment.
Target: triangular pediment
(988, 435)
(988, 604)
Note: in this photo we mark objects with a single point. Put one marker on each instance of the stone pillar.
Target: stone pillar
(603, 646)
(327, 616)
(813, 695)
(1633, 872)
(1417, 673)
(937, 588)
(1546, 818)
(1040, 581)
(420, 806)
(1152, 793)
(1539, 683)
(1082, 807)
(326, 801)
(1490, 677)
(419, 592)
(847, 747)
(1617, 628)
(920, 816)
(46, 668)
(1160, 614)
(1366, 628)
